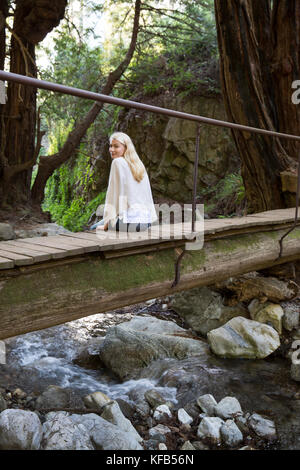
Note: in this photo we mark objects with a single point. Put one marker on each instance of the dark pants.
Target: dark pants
(128, 227)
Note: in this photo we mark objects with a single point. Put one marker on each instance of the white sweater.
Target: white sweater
(126, 198)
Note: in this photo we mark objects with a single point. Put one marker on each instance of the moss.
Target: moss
(230, 244)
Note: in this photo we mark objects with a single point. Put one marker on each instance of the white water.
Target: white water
(47, 356)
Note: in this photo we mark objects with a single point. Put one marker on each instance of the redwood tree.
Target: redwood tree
(259, 60)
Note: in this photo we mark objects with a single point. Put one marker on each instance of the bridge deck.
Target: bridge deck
(29, 251)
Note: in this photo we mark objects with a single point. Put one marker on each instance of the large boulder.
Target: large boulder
(20, 430)
(133, 345)
(244, 339)
(59, 398)
(203, 309)
(6, 232)
(61, 433)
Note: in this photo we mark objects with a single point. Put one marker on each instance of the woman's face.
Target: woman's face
(116, 149)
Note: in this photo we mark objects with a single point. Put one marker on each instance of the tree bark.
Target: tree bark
(244, 37)
(48, 164)
(32, 22)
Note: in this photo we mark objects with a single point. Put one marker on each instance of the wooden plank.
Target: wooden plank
(88, 245)
(36, 255)
(19, 260)
(55, 253)
(6, 263)
(70, 249)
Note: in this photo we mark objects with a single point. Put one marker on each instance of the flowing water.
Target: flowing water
(36, 360)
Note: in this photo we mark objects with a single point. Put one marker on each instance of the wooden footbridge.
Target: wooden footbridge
(45, 281)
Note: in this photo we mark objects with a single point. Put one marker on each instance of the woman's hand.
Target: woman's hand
(103, 227)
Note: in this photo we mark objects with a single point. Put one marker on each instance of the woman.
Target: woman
(129, 204)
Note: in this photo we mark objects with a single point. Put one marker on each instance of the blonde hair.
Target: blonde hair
(135, 163)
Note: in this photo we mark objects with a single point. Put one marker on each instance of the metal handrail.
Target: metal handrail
(23, 79)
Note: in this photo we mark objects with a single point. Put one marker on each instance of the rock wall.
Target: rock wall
(167, 145)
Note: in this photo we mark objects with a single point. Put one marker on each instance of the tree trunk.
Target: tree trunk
(244, 36)
(32, 21)
(48, 164)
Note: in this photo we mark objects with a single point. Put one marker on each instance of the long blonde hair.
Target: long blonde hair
(135, 163)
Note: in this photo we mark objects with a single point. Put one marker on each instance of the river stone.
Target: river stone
(268, 313)
(154, 398)
(20, 430)
(105, 435)
(114, 415)
(59, 398)
(161, 412)
(61, 433)
(203, 309)
(133, 345)
(244, 338)
(207, 403)
(6, 232)
(262, 427)
(228, 407)
(210, 428)
(291, 317)
(187, 446)
(96, 400)
(295, 372)
(184, 417)
(41, 230)
(3, 404)
(230, 433)
(159, 430)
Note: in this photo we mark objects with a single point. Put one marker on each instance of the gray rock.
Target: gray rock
(228, 407)
(244, 339)
(241, 422)
(183, 417)
(41, 230)
(154, 398)
(291, 317)
(3, 404)
(105, 435)
(263, 427)
(161, 411)
(112, 413)
(231, 435)
(203, 309)
(19, 430)
(59, 398)
(187, 446)
(6, 232)
(207, 403)
(198, 445)
(96, 400)
(210, 428)
(159, 430)
(162, 446)
(268, 313)
(61, 433)
(132, 345)
(2, 351)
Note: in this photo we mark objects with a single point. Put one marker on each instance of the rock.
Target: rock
(162, 446)
(19, 430)
(96, 400)
(207, 404)
(41, 230)
(183, 417)
(268, 313)
(159, 430)
(61, 433)
(161, 411)
(2, 350)
(105, 435)
(295, 372)
(192, 409)
(132, 345)
(150, 301)
(228, 407)
(290, 319)
(203, 309)
(241, 422)
(187, 446)
(154, 398)
(231, 435)
(59, 398)
(114, 415)
(3, 404)
(127, 409)
(6, 232)
(246, 448)
(18, 393)
(164, 307)
(88, 355)
(254, 286)
(210, 428)
(263, 427)
(244, 338)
